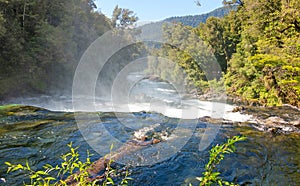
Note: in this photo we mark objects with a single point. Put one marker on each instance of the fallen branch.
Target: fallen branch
(101, 164)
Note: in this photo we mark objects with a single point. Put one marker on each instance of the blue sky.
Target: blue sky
(153, 10)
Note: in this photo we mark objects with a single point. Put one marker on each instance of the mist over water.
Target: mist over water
(146, 95)
(110, 77)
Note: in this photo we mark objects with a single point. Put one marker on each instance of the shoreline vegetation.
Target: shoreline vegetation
(258, 49)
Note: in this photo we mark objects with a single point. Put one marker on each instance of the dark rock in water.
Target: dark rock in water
(143, 142)
(205, 119)
(239, 109)
(208, 119)
(274, 130)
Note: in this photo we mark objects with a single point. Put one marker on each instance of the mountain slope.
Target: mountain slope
(195, 20)
(153, 31)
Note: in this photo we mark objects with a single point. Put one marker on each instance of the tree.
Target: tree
(191, 58)
(222, 35)
(265, 67)
(123, 18)
(43, 43)
(233, 2)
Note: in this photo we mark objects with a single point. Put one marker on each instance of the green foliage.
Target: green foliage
(191, 60)
(76, 170)
(42, 42)
(112, 172)
(222, 35)
(261, 60)
(265, 67)
(123, 18)
(217, 154)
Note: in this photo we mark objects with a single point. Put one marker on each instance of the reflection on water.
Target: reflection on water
(40, 136)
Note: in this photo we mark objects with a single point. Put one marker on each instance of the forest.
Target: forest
(257, 46)
(164, 111)
(42, 42)
(260, 43)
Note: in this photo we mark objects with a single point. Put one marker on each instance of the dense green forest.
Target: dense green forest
(261, 44)
(42, 42)
(257, 47)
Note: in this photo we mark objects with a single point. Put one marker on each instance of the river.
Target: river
(40, 129)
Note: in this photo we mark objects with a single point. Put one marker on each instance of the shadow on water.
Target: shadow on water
(40, 136)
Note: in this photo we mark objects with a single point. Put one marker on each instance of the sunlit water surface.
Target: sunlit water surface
(41, 136)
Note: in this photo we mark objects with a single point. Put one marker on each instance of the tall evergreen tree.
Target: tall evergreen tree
(123, 18)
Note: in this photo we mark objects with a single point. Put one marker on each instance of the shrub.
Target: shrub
(72, 167)
(217, 153)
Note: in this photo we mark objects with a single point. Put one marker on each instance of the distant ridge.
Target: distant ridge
(153, 30)
(195, 20)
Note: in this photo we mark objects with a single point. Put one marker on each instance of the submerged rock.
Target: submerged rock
(239, 109)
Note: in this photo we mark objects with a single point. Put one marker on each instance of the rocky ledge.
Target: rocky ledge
(283, 119)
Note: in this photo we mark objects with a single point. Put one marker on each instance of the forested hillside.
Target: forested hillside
(42, 42)
(257, 47)
(191, 20)
(265, 64)
(195, 20)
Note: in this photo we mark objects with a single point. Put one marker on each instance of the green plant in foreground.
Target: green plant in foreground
(71, 166)
(110, 171)
(216, 156)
